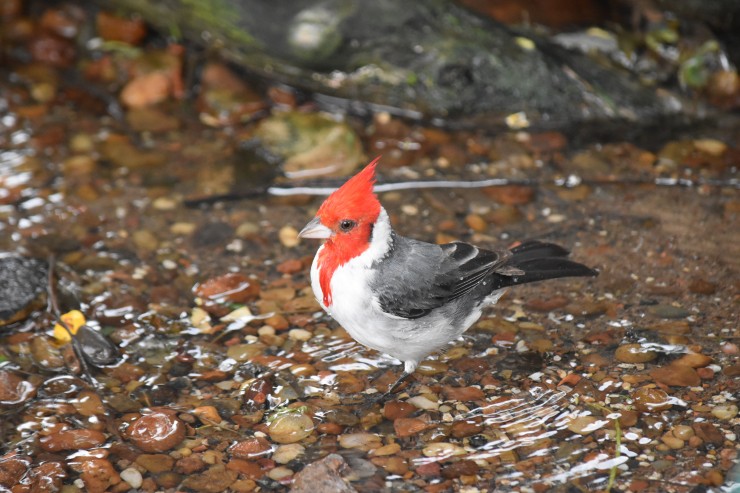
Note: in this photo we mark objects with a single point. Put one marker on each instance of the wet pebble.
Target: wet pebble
(423, 402)
(406, 427)
(156, 432)
(72, 440)
(393, 410)
(133, 477)
(361, 441)
(694, 360)
(326, 472)
(676, 375)
(634, 353)
(251, 448)
(584, 425)
(288, 452)
(290, 427)
(702, 286)
(442, 450)
(97, 474)
(155, 463)
(288, 236)
(14, 389)
(650, 399)
(669, 311)
(725, 412)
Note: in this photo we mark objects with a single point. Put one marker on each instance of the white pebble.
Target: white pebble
(133, 477)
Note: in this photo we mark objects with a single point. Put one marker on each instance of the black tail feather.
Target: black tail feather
(536, 249)
(540, 261)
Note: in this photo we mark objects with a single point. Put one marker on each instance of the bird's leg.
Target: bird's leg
(408, 369)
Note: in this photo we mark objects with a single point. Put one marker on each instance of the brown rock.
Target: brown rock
(323, 475)
(463, 393)
(114, 28)
(702, 286)
(72, 440)
(156, 463)
(406, 427)
(634, 353)
(511, 194)
(708, 433)
(146, 90)
(12, 468)
(462, 429)
(694, 360)
(649, 399)
(676, 375)
(428, 469)
(460, 468)
(229, 288)
(251, 448)
(393, 410)
(97, 474)
(248, 468)
(156, 432)
(48, 476)
(215, 480)
(14, 389)
(190, 464)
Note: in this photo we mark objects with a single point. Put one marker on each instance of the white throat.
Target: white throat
(380, 242)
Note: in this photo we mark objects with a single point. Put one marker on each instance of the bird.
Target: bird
(405, 297)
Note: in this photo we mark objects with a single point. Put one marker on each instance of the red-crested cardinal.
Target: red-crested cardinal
(405, 297)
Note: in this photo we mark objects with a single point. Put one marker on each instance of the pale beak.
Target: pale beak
(314, 229)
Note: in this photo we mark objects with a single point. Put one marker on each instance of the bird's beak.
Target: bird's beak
(314, 229)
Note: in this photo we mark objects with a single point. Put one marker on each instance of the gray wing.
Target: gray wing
(418, 277)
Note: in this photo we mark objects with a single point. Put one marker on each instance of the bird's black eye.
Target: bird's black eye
(346, 225)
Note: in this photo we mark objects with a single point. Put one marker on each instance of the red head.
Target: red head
(345, 220)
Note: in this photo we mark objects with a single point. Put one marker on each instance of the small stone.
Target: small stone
(676, 375)
(133, 477)
(327, 473)
(694, 360)
(288, 452)
(423, 402)
(442, 450)
(683, 432)
(393, 410)
(431, 367)
(207, 414)
(155, 463)
(72, 440)
(251, 449)
(361, 441)
(702, 286)
(300, 334)
(390, 449)
(476, 223)
(650, 399)
(146, 90)
(280, 472)
(14, 389)
(156, 432)
(288, 236)
(634, 353)
(463, 393)
(669, 311)
(584, 425)
(708, 433)
(672, 441)
(725, 412)
(406, 427)
(290, 427)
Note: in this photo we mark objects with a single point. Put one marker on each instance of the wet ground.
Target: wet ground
(229, 378)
